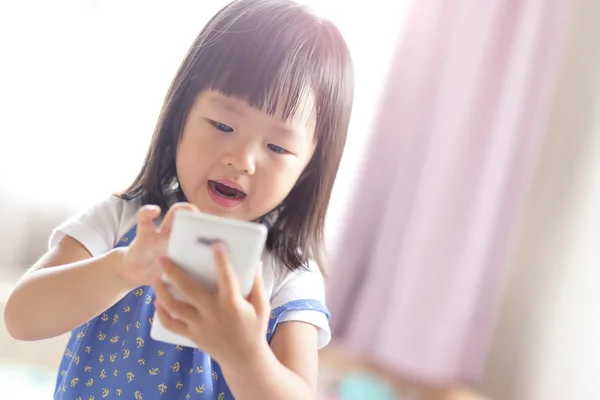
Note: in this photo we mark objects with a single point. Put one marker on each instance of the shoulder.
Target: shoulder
(99, 226)
(299, 284)
(298, 296)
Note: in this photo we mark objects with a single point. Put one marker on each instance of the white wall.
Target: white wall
(81, 84)
(547, 346)
(96, 72)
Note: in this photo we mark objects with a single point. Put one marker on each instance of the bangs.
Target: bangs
(274, 55)
(273, 61)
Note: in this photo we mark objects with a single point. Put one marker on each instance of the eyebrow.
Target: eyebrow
(288, 132)
(227, 105)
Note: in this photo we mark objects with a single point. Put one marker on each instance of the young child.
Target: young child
(252, 128)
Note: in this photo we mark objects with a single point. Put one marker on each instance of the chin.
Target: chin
(220, 212)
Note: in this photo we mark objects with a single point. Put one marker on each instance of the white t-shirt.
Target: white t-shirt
(100, 228)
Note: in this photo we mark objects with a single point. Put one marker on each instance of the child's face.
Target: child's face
(228, 145)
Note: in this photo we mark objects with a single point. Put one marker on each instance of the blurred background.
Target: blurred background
(466, 212)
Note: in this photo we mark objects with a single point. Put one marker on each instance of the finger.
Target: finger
(258, 297)
(146, 217)
(172, 324)
(186, 286)
(167, 222)
(175, 308)
(226, 279)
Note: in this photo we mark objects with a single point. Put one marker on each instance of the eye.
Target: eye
(221, 127)
(277, 149)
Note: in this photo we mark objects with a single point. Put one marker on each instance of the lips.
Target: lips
(226, 193)
(228, 190)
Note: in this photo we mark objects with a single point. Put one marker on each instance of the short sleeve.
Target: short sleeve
(300, 296)
(99, 227)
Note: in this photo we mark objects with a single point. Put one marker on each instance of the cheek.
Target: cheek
(193, 157)
(278, 182)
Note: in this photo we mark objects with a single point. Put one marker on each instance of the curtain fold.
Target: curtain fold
(421, 258)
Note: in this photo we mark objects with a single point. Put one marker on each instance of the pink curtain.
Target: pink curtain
(426, 239)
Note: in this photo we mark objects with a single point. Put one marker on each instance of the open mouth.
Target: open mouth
(225, 191)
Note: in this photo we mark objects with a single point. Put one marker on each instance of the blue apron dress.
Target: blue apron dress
(113, 356)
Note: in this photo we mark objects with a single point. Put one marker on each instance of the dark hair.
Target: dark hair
(264, 52)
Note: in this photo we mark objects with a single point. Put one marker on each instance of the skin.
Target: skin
(225, 138)
(222, 138)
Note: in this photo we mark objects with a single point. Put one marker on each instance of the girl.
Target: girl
(252, 127)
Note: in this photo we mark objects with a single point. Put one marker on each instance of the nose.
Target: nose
(241, 156)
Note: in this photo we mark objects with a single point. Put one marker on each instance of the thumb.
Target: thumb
(258, 297)
(146, 217)
(167, 222)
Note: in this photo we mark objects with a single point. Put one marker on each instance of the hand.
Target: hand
(140, 264)
(222, 323)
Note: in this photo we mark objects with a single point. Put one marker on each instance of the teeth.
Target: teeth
(234, 194)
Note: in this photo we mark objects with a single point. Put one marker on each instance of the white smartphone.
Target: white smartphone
(190, 246)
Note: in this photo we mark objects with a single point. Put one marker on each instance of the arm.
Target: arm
(54, 296)
(287, 371)
(232, 330)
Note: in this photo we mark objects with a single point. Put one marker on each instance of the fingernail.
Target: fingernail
(219, 247)
(164, 262)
